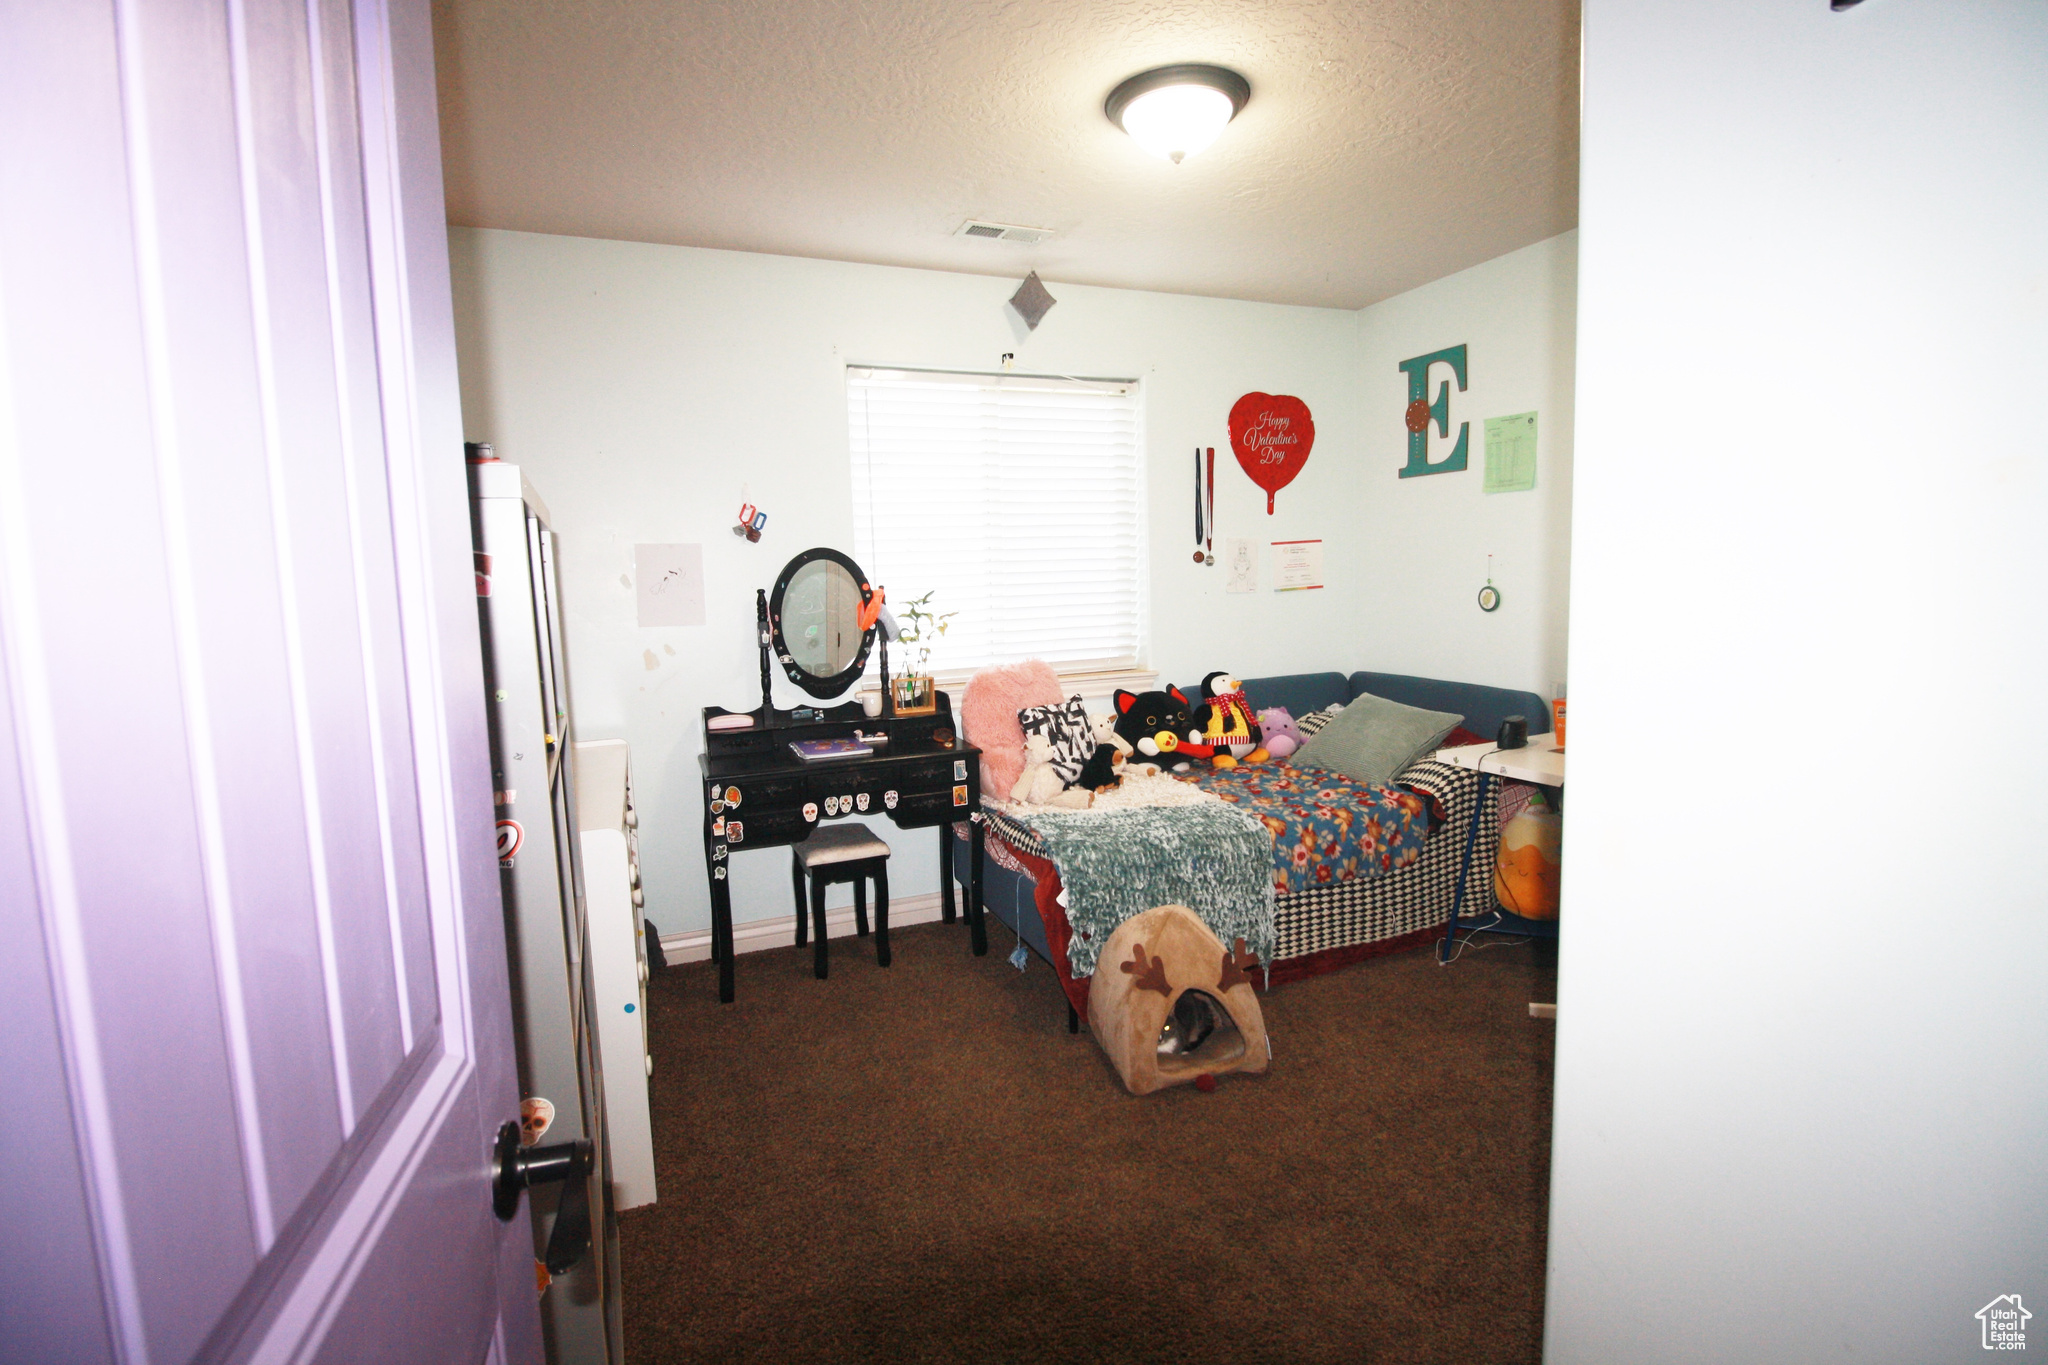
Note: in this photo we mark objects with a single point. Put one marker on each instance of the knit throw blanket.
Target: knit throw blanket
(1212, 858)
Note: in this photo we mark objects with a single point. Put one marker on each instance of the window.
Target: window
(1015, 500)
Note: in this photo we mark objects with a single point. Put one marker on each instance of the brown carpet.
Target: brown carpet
(921, 1164)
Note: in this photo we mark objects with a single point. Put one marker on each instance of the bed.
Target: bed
(1384, 889)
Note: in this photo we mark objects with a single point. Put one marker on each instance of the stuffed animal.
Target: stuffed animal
(1039, 784)
(1282, 735)
(1101, 773)
(1226, 721)
(1160, 729)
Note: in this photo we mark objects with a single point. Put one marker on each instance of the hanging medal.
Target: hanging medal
(1209, 547)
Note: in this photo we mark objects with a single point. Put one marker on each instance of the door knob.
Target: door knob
(517, 1168)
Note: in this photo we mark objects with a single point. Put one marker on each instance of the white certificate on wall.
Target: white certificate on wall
(1297, 565)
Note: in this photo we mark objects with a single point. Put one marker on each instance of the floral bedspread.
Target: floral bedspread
(1326, 827)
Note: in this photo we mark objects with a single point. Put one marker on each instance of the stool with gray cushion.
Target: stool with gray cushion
(842, 853)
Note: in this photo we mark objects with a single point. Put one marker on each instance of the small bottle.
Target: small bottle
(1557, 714)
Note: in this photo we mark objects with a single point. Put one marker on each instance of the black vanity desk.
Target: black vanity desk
(758, 794)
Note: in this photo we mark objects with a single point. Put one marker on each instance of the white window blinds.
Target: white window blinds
(1015, 500)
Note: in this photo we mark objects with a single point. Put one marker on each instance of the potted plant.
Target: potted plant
(918, 626)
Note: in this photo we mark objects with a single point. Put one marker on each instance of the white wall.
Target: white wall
(641, 386)
(1802, 1075)
(1426, 539)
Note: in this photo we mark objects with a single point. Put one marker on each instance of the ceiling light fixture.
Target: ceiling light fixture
(1176, 111)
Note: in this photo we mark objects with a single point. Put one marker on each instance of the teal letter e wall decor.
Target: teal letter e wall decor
(1421, 412)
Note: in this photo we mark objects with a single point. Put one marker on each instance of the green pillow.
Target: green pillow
(1374, 740)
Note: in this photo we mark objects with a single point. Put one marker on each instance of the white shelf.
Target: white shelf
(618, 961)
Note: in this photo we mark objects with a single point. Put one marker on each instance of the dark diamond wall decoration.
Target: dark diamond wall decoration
(1031, 301)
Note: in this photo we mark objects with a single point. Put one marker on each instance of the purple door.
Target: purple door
(254, 1026)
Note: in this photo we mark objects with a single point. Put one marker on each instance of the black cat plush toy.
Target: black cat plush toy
(1160, 727)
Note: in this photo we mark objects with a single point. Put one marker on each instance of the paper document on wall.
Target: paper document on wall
(670, 586)
(1297, 565)
(1511, 453)
(1242, 562)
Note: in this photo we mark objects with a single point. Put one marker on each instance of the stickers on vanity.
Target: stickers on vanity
(860, 802)
(959, 770)
(810, 811)
(889, 799)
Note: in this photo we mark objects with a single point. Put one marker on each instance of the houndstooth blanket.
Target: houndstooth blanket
(1114, 864)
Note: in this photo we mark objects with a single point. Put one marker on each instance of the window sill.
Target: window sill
(1091, 684)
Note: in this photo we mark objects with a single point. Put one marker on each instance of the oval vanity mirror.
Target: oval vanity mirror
(814, 614)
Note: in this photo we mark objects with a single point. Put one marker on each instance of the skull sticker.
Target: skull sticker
(536, 1116)
(860, 802)
(889, 800)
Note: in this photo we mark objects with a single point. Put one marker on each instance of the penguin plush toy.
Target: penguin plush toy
(1227, 723)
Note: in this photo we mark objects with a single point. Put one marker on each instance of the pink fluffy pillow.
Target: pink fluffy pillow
(988, 718)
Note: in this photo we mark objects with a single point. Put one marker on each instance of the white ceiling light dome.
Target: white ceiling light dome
(1176, 111)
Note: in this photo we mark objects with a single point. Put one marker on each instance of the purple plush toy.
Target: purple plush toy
(1282, 735)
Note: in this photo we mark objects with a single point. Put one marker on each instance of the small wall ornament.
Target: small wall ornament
(1489, 596)
(1032, 302)
(1271, 435)
(1421, 412)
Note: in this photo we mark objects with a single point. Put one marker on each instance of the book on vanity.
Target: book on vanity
(825, 750)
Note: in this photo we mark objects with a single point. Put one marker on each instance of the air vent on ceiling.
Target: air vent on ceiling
(1002, 232)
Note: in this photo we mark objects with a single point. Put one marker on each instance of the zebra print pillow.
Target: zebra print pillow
(1066, 729)
(1312, 724)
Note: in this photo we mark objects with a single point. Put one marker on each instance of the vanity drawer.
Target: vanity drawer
(938, 773)
(764, 827)
(931, 808)
(757, 793)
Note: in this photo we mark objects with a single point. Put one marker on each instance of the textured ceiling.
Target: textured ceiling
(1387, 142)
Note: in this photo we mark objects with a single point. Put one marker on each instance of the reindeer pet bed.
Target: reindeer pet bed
(1170, 1004)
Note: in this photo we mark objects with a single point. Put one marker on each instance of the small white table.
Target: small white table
(1541, 762)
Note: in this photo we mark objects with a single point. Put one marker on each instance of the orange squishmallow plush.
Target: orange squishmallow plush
(1525, 875)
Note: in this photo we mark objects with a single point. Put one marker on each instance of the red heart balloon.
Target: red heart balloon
(1272, 434)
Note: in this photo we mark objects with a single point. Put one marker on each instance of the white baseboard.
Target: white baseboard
(780, 932)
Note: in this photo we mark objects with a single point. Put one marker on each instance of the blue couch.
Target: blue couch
(1482, 707)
